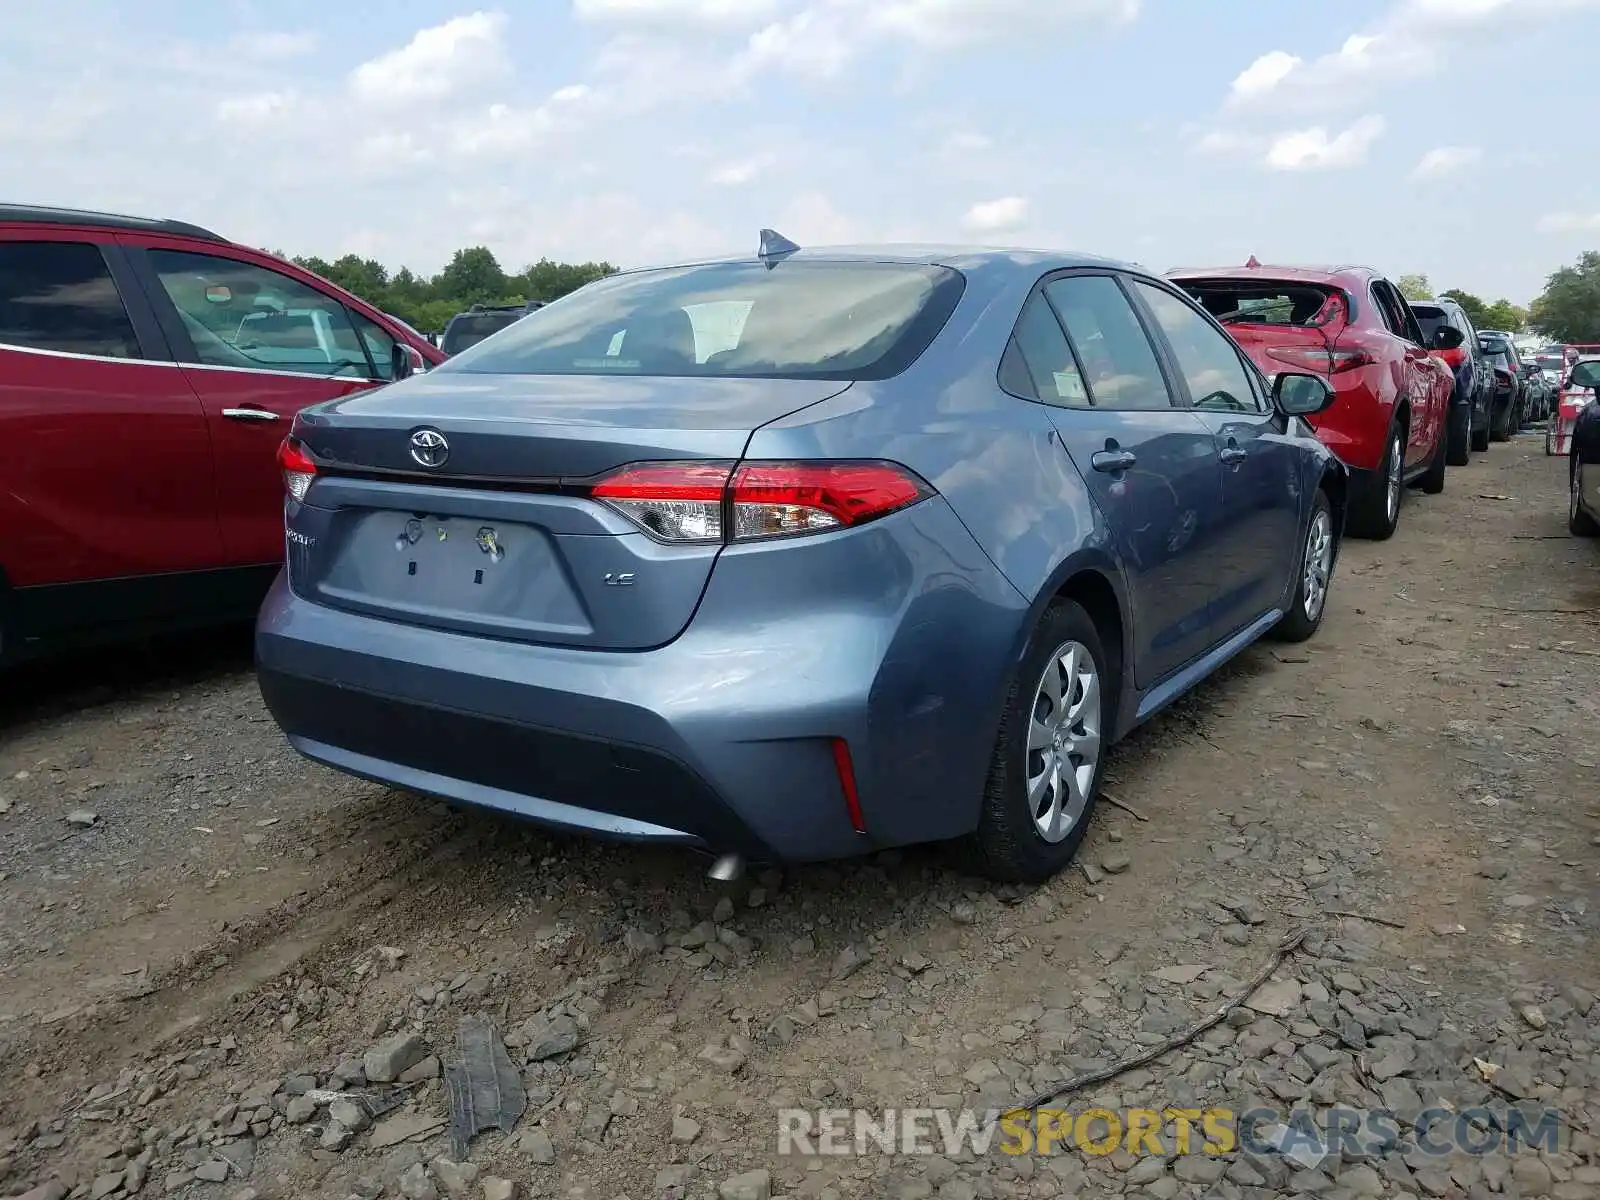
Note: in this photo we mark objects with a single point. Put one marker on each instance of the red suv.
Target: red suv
(1351, 326)
(148, 372)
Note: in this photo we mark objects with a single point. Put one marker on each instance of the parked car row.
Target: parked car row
(981, 513)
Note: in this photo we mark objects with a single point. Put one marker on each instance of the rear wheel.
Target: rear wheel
(1049, 752)
(1304, 617)
(1432, 481)
(1482, 428)
(1500, 427)
(1376, 511)
(1579, 522)
(1459, 440)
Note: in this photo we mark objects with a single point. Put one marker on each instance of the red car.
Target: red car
(148, 372)
(1351, 326)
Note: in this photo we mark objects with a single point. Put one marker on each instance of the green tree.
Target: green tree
(1414, 287)
(1470, 304)
(472, 276)
(1569, 308)
(1503, 314)
(547, 280)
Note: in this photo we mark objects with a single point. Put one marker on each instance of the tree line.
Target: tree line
(472, 276)
(1568, 310)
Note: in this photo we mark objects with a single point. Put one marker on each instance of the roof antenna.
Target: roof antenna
(1254, 261)
(774, 247)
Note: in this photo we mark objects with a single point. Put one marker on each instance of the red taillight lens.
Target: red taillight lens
(1453, 357)
(298, 469)
(1323, 362)
(711, 502)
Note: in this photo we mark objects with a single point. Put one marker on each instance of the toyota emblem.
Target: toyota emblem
(429, 448)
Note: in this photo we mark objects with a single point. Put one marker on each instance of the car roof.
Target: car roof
(1336, 275)
(30, 214)
(965, 258)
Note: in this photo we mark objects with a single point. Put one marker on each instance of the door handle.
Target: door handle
(1233, 454)
(1112, 461)
(249, 414)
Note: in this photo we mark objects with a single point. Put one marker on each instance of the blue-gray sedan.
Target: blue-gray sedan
(798, 556)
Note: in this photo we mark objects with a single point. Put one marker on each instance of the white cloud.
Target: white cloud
(436, 62)
(1569, 222)
(947, 23)
(1446, 160)
(737, 174)
(256, 110)
(1266, 73)
(678, 13)
(1314, 150)
(996, 216)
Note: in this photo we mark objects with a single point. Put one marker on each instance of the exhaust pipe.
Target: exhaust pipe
(727, 868)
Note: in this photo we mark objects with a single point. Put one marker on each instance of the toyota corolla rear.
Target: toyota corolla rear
(565, 575)
(1297, 322)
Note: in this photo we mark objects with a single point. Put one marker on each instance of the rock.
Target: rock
(1531, 1175)
(455, 1179)
(1361, 1180)
(213, 1170)
(104, 1185)
(722, 912)
(81, 818)
(684, 1130)
(851, 959)
(300, 1111)
(385, 1061)
(1533, 1015)
(1246, 912)
(752, 1185)
(415, 1184)
(536, 1144)
(404, 1127)
(54, 1189)
(1276, 998)
(724, 1058)
(498, 1189)
(551, 1039)
(336, 1137)
(1180, 975)
(1115, 864)
(349, 1114)
(639, 941)
(428, 1068)
(679, 1177)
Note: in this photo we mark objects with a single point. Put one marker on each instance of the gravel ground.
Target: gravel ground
(199, 932)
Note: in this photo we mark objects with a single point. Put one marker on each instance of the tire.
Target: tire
(1008, 844)
(1315, 571)
(1481, 432)
(1579, 523)
(1376, 512)
(1500, 423)
(1550, 440)
(1459, 437)
(1432, 481)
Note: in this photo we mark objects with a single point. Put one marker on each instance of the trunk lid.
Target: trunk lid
(498, 539)
(1299, 323)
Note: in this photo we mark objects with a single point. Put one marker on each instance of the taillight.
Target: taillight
(1324, 362)
(1453, 357)
(711, 502)
(298, 469)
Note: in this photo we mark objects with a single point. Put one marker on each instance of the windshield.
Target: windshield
(470, 329)
(1264, 302)
(797, 320)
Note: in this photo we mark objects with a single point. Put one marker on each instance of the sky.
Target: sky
(1431, 136)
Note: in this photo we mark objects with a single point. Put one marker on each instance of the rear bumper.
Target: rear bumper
(894, 638)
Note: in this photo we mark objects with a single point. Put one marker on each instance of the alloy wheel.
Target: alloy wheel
(1063, 741)
(1391, 486)
(1319, 564)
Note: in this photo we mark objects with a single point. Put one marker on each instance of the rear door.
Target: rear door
(1151, 465)
(257, 346)
(1422, 376)
(1258, 534)
(105, 459)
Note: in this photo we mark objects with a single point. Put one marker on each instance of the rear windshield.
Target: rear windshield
(467, 331)
(795, 320)
(1264, 302)
(1432, 318)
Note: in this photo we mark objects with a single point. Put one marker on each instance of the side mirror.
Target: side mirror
(1448, 337)
(1585, 375)
(1300, 395)
(405, 361)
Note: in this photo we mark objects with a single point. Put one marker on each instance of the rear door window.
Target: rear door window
(1211, 364)
(1119, 365)
(798, 319)
(61, 296)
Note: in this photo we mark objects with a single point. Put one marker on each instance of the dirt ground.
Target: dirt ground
(196, 926)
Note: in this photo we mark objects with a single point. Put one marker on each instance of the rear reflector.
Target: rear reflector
(847, 784)
(298, 469)
(711, 502)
